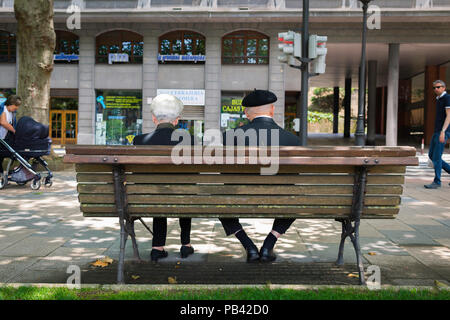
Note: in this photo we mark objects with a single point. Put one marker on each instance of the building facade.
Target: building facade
(211, 53)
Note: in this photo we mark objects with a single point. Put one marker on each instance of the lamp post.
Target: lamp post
(360, 137)
(303, 112)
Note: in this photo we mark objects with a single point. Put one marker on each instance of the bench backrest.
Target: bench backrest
(316, 182)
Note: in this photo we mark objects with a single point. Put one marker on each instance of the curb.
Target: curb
(175, 287)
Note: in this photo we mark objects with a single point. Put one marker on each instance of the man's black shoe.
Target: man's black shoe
(155, 255)
(267, 255)
(252, 255)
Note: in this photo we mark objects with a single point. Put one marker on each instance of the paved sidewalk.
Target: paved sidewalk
(43, 232)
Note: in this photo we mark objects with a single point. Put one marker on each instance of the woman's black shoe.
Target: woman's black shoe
(158, 254)
(185, 251)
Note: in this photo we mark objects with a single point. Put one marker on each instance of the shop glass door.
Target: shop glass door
(63, 120)
(63, 126)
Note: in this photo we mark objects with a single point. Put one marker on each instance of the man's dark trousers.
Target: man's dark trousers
(435, 154)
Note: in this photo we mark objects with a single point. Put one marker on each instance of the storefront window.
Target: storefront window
(7, 47)
(118, 116)
(67, 47)
(195, 127)
(120, 42)
(416, 108)
(175, 45)
(245, 47)
(232, 114)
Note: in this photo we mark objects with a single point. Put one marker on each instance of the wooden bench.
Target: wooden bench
(342, 183)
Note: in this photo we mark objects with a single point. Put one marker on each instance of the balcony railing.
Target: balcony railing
(239, 4)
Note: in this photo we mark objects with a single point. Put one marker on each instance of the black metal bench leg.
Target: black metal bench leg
(123, 242)
(344, 234)
(353, 232)
(359, 259)
(130, 227)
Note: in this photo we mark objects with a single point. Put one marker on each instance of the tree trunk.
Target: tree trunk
(36, 42)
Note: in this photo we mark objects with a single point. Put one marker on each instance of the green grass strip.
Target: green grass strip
(45, 293)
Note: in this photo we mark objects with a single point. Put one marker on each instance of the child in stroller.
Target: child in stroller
(30, 142)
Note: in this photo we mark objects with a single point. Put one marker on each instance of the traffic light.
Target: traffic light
(291, 46)
(318, 52)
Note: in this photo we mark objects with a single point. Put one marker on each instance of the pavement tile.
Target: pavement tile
(328, 252)
(389, 224)
(396, 267)
(13, 266)
(42, 276)
(444, 241)
(411, 238)
(11, 235)
(62, 258)
(33, 247)
(381, 246)
(431, 256)
(434, 231)
(444, 221)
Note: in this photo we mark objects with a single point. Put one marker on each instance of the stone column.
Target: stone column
(372, 103)
(86, 90)
(276, 79)
(149, 76)
(392, 96)
(213, 78)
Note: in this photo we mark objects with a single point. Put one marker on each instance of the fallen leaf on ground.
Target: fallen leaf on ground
(371, 253)
(103, 262)
(107, 259)
(100, 263)
(172, 280)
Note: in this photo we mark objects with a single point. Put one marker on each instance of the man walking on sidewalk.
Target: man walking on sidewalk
(441, 133)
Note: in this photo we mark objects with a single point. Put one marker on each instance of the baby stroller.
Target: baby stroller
(30, 142)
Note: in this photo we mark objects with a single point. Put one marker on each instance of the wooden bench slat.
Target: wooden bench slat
(159, 168)
(317, 161)
(236, 200)
(212, 215)
(257, 190)
(284, 151)
(239, 211)
(258, 179)
(241, 179)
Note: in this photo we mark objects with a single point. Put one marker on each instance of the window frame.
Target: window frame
(180, 35)
(245, 35)
(73, 42)
(11, 55)
(118, 38)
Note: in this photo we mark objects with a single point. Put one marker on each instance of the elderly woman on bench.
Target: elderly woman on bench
(166, 110)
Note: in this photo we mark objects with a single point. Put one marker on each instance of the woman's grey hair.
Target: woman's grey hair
(440, 82)
(166, 107)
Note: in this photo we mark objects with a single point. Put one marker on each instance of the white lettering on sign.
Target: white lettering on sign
(187, 96)
(118, 57)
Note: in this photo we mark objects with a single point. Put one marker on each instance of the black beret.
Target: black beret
(259, 98)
